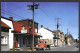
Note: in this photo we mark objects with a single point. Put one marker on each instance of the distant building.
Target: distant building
(57, 37)
(46, 34)
(70, 39)
(60, 38)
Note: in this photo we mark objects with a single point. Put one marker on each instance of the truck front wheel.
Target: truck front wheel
(44, 48)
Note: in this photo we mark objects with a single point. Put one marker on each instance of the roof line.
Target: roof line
(28, 19)
(5, 18)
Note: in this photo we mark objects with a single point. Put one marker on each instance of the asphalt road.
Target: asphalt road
(65, 48)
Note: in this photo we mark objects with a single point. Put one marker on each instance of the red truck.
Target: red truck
(42, 45)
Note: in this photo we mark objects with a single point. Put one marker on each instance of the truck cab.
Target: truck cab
(42, 45)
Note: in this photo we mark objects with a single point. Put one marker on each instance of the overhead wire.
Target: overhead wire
(12, 13)
(17, 6)
(46, 13)
(43, 12)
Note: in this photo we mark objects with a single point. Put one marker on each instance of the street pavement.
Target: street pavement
(65, 48)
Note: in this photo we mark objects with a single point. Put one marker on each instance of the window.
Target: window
(54, 35)
(24, 30)
(36, 30)
(36, 25)
(30, 23)
(3, 40)
(42, 42)
(23, 27)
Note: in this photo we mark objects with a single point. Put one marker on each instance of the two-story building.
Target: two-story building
(4, 37)
(62, 39)
(46, 35)
(57, 37)
(29, 23)
(6, 34)
(70, 39)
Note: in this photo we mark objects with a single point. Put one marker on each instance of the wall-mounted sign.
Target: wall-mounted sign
(24, 31)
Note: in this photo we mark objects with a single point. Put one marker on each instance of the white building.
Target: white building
(10, 35)
(46, 34)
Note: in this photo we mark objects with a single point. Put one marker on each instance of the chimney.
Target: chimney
(41, 26)
(11, 18)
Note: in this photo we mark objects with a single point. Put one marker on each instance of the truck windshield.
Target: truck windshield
(42, 42)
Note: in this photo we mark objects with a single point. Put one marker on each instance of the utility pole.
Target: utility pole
(57, 29)
(32, 7)
(67, 31)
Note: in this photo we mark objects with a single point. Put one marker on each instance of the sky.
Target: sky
(46, 14)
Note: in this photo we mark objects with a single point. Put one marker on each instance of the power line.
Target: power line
(18, 7)
(12, 13)
(46, 13)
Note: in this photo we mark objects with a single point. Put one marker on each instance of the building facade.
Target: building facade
(62, 39)
(47, 34)
(29, 23)
(70, 39)
(56, 38)
(59, 38)
(9, 36)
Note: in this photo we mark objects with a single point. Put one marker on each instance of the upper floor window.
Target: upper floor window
(30, 22)
(23, 27)
(36, 25)
(36, 30)
(23, 30)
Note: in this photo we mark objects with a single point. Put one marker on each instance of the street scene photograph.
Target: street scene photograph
(39, 26)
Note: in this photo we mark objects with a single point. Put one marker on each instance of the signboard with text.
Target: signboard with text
(24, 31)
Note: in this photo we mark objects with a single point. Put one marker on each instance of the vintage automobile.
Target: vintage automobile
(42, 45)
